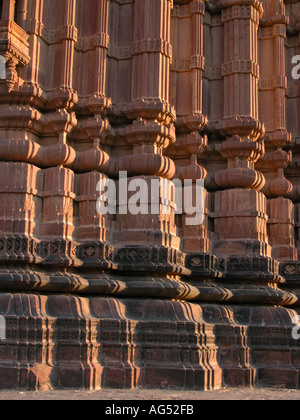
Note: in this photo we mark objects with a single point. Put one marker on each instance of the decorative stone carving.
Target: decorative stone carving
(183, 90)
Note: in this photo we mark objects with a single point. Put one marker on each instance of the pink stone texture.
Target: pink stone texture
(161, 89)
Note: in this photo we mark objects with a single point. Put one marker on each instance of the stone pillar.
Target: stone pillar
(292, 49)
(64, 95)
(14, 46)
(93, 229)
(57, 223)
(21, 203)
(197, 59)
(59, 192)
(21, 12)
(69, 38)
(101, 48)
(96, 59)
(34, 27)
(151, 132)
(190, 148)
(152, 51)
(188, 65)
(241, 209)
(195, 237)
(8, 10)
(273, 85)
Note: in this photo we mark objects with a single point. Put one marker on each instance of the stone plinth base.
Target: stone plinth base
(68, 341)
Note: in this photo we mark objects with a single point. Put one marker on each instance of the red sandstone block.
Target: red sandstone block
(279, 377)
(119, 377)
(239, 377)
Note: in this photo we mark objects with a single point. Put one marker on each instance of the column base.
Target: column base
(66, 341)
(254, 268)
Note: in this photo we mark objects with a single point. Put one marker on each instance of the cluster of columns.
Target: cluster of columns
(99, 87)
(161, 90)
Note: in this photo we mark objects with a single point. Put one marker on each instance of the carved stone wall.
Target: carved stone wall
(162, 89)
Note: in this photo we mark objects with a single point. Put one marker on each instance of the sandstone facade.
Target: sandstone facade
(186, 89)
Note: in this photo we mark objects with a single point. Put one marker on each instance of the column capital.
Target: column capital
(274, 13)
(239, 8)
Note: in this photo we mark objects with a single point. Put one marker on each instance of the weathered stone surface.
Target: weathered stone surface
(189, 90)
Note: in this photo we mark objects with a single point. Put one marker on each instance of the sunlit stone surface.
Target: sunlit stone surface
(160, 89)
